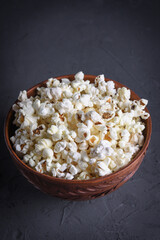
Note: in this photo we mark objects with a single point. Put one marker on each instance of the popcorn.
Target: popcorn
(82, 165)
(79, 76)
(77, 129)
(83, 145)
(113, 133)
(89, 124)
(69, 176)
(56, 92)
(22, 96)
(124, 93)
(72, 146)
(101, 150)
(64, 106)
(99, 79)
(85, 100)
(59, 146)
(63, 167)
(76, 156)
(94, 116)
(84, 133)
(42, 143)
(39, 167)
(32, 162)
(65, 80)
(73, 170)
(111, 88)
(47, 153)
(102, 169)
(125, 135)
(52, 130)
(93, 140)
(83, 176)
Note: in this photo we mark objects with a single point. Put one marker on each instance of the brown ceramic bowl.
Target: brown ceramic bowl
(77, 189)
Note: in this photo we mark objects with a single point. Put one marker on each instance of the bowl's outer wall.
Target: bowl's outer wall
(76, 189)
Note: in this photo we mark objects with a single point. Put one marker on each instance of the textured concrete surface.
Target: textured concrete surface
(40, 39)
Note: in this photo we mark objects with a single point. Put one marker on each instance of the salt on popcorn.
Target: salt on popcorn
(77, 129)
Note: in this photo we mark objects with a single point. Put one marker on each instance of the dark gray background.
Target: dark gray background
(41, 39)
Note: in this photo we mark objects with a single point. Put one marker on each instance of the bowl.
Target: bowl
(77, 189)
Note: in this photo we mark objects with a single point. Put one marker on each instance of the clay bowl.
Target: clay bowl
(77, 189)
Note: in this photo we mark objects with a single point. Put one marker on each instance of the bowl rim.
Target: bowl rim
(73, 181)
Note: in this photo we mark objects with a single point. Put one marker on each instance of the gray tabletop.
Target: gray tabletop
(41, 39)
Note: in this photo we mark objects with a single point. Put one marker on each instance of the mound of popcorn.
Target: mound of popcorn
(78, 129)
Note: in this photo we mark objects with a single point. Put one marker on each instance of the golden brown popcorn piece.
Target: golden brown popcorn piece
(107, 137)
(37, 130)
(61, 116)
(22, 146)
(107, 115)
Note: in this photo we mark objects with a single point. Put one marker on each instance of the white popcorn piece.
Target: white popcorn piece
(56, 92)
(76, 156)
(83, 176)
(82, 165)
(122, 144)
(78, 105)
(125, 135)
(113, 133)
(47, 153)
(39, 166)
(124, 93)
(53, 82)
(22, 96)
(83, 145)
(101, 150)
(69, 176)
(67, 93)
(66, 81)
(72, 146)
(92, 160)
(94, 116)
(80, 116)
(111, 88)
(32, 162)
(112, 165)
(145, 115)
(73, 170)
(84, 133)
(65, 154)
(84, 156)
(140, 140)
(73, 134)
(59, 146)
(54, 172)
(79, 76)
(85, 100)
(64, 106)
(52, 130)
(63, 167)
(26, 158)
(89, 124)
(143, 103)
(101, 127)
(60, 174)
(102, 169)
(13, 139)
(99, 78)
(43, 143)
